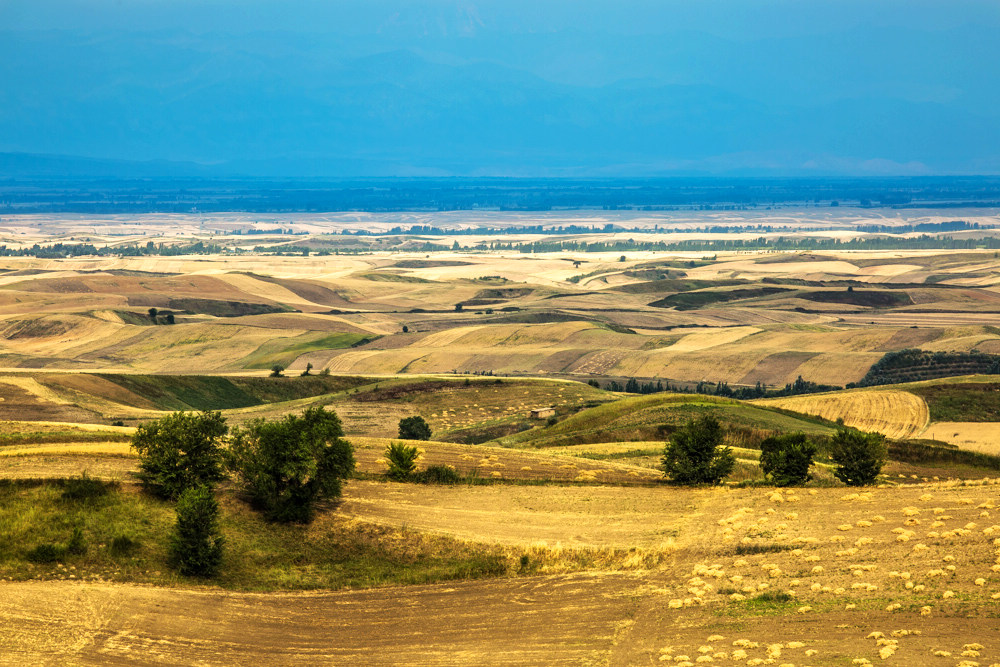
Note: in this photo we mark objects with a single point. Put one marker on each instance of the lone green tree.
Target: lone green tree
(277, 370)
(286, 466)
(695, 454)
(786, 458)
(859, 456)
(414, 428)
(196, 543)
(180, 451)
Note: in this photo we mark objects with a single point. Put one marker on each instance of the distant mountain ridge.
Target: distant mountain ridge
(474, 101)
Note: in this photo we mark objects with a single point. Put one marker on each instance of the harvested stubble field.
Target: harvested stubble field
(896, 414)
(804, 575)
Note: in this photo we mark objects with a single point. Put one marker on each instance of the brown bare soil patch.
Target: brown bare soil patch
(777, 368)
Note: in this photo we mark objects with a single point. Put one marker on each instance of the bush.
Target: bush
(76, 545)
(786, 458)
(123, 545)
(402, 460)
(46, 553)
(694, 454)
(859, 456)
(180, 451)
(277, 370)
(414, 428)
(84, 488)
(288, 465)
(440, 474)
(196, 544)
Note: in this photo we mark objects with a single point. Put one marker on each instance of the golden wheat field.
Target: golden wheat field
(896, 414)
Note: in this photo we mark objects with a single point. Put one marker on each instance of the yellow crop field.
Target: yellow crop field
(977, 436)
(896, 414)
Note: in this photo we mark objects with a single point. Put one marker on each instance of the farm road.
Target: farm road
(532, 621)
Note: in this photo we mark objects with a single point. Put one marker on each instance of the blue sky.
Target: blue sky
(402, 88)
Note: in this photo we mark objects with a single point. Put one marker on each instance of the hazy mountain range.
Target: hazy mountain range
(436, 88)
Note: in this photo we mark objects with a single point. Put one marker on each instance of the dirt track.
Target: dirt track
(569, 516)
(608, 619)
(537, 621)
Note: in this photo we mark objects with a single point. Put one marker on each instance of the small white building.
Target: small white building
(542, 413)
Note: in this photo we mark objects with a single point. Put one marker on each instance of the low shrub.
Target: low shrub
(196, 545)
(84, 488)
(440, 474)
(123, 545)
(77, 545)
(46, 553)
(786, 458)
(402, 460)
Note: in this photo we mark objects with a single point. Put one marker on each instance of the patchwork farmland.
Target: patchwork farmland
(561, 542)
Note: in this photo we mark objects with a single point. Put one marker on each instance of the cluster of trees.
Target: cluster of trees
(283, 467)
(923, 242)
(695, 455)
(633, 386)
(62, 250)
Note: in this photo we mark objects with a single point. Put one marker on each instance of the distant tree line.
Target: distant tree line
(633, 386)
(61, 250)
(923, 242)
(948, 226)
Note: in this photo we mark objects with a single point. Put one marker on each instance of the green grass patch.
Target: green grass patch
(767, 603)
(655, 416)
(274, 390)
(694, 300)
(393, 278)
(928, 453)
(44, 437)
(615, 456)
(219, 308)
(185, 392)
(205, 392)
(286, 350)
(122, 535)
(970, 402)
(754, 549)
(672, 284)
(869, 298)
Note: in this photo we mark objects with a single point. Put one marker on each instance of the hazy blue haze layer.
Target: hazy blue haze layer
(394, 88)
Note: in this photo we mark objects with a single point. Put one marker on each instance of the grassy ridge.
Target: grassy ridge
(204, 392)
(969, 402)
(694, 300)
(125, 536)
(286, 350)
(653, 417)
